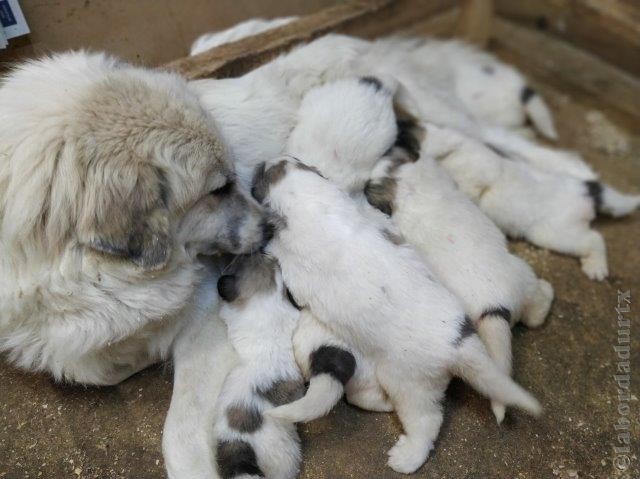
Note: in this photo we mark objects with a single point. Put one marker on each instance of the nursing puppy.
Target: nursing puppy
(380, 298)
(465, 250)
(550, 210)
(260, 321)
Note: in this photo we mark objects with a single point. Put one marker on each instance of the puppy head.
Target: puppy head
(114, 159)
(247, 276)
(343, 128)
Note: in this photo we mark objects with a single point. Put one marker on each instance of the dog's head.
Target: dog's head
(120, 161)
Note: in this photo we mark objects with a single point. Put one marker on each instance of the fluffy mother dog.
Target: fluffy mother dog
(381, 298)
(112, 180)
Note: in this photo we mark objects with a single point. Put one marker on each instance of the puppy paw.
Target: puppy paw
(499, 411)
(595, 267)
(406, 456)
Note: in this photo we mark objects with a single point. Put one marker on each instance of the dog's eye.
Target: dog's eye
(223, 190)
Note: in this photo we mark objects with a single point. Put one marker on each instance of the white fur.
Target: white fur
(342, 128)
(466, 251)
(382, 300)
(550, 210)
(260, 329)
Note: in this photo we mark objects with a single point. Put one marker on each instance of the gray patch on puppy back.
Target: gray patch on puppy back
(380, 194)
(466, 329)
(394, 238)
(303, 166)
(283, 391)
(373, 81)
(244, 418)
(236, 458)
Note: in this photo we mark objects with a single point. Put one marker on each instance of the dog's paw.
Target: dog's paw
(595, 267)
(406, 456)
(499, 411)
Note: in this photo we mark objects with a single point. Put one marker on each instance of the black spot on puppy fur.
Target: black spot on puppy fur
(373, 81)
(244, 418)
(303, 166)
(466, 329)
(283, 391)
(594, 190)
(526, 94)
(227, 287)
(236, 458)
(334, 361)
(291, 299)
(499, 311)
(394, 238)
(380, 194)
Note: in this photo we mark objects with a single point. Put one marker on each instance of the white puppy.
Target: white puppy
(343, 128)
(466, 251)
(260, 321)
(381, 299)
(550, 210)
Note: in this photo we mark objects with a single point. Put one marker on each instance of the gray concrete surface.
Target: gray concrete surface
(53, 431)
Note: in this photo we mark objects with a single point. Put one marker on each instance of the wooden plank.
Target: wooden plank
(474, 24)
(558, 63)
(364, 18)
(608, 28)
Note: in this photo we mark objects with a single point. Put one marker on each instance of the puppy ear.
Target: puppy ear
(125, 214)
(228, 288)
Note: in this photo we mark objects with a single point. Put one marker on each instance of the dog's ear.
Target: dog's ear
(125, 213)
(228, 288)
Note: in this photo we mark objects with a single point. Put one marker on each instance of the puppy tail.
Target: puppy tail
(331, 368)
(610, 201)
(323, 393)
(494, 330)
(539, 113)
(476, 367)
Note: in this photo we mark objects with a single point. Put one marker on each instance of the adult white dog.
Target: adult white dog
(113, 180)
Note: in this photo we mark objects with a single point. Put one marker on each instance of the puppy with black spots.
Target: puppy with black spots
(549, 209)
(260, 321)
(466, 251)
(381, 299)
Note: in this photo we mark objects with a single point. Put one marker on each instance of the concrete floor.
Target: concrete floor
(53, 431)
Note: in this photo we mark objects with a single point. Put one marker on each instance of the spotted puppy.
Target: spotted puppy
(381, 299)
(550, 210)
(260, 322)
(466, 251)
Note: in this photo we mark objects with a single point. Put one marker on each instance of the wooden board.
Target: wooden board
(607, 28)
(364, 18)
(558, 63)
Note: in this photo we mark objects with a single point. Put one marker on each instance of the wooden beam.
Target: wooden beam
(474, 24)
(608, 28)
(560, 64)
(364, 18)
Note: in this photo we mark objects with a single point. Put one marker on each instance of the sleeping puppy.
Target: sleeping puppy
(380, 298)
(550, 210)
(342, 128)
(260, 321)
(466, 251)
